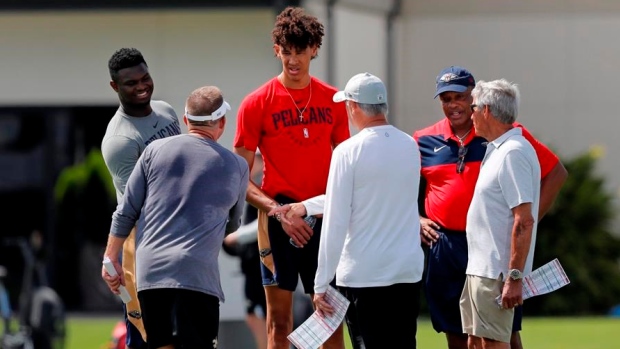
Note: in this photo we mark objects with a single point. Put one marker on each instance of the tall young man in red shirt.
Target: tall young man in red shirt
(451, 157)
(294, 122)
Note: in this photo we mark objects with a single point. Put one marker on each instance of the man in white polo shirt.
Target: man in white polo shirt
(502, 218)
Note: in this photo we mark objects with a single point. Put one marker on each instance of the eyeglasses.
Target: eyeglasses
(473, 106)
(460, 164)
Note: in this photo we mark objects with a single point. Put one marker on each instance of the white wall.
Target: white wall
(563, 55)
(61, 59)
(357, 38)
(360, 43)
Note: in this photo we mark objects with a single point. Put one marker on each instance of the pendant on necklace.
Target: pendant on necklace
(306, 134)
(301, 116)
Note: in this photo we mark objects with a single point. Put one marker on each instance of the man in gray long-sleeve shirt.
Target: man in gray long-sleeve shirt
(184, 194)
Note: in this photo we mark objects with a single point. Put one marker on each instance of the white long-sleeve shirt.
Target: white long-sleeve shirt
(314, 205)
(371, 227)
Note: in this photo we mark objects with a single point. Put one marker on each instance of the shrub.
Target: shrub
(578, 231)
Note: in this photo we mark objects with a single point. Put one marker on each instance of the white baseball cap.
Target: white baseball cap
(363, 88)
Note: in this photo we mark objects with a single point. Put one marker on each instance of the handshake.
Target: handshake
(287, 215)
(286, 212)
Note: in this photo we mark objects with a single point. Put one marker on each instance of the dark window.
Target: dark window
(36, 145)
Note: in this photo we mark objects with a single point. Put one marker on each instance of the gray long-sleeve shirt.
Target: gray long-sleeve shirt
(184, 193)
(126, 137)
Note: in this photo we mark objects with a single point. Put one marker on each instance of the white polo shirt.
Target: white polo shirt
(509, 176)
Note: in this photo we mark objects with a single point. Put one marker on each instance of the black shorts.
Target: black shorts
(383, 317)
(283, 264)
(184, 318)
(253, 288)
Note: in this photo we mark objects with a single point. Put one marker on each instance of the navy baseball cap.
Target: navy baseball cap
(454, 79)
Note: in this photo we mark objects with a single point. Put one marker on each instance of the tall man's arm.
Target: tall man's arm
(550, 187)
(255, 196)
(294, 227)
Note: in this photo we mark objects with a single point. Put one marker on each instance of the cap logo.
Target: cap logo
(221, 111)
(448, 77)
(380, 97)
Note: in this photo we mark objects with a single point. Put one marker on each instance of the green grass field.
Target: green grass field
(538, 333)
(548, 333)
(89, 332)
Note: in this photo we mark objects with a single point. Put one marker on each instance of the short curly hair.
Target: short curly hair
(124, 58)
(294, 28)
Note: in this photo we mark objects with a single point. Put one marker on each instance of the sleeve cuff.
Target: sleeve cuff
(315, 205)
(320, 289)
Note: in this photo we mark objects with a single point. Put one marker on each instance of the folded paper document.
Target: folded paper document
(317, 329)
(545, 279)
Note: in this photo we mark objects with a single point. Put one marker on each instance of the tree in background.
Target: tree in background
(578, 231)
(85, 199)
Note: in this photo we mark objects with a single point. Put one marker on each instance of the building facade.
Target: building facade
(55, 90)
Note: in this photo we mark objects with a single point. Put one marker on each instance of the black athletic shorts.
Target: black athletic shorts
(184, 318)
(282, 263)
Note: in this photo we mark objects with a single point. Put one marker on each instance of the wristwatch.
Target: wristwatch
(515, 274)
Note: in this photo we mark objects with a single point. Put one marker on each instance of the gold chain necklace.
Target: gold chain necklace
(301, 112)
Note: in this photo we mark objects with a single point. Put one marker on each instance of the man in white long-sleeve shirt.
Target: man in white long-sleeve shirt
(370, 236)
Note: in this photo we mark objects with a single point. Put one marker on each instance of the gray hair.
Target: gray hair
(374, 109)
(502, 98)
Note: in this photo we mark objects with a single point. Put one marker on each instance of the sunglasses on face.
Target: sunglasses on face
(460, 164)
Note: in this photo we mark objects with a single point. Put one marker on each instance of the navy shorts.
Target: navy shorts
(183, 318)
(445, 279)
(283, 264)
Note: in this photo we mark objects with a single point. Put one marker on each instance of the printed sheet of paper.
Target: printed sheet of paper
(316, 329)
(545, 279)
